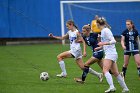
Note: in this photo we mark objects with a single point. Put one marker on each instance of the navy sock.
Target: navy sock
(138, 71)
(124, 70)
(110, 72)
(85, 72)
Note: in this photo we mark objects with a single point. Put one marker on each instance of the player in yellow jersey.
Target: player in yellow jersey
(94, 26)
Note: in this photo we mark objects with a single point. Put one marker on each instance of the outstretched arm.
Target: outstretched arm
(57, 37)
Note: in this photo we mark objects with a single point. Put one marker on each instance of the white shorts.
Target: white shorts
(76, 53)
(112, 57)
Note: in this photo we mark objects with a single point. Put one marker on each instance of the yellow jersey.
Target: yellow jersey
(94, 27)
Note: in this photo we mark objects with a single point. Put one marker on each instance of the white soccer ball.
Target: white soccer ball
(44, 76)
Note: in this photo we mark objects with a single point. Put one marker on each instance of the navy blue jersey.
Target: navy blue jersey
(131, 39)
(91, 40)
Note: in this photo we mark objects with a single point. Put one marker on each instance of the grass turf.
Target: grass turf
(20, 67)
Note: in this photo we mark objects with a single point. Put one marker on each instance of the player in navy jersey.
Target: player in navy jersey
(129, 42)
(91, 40)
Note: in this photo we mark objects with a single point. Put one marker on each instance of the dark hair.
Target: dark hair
(71, 22)
(133, 26)
(101, 21)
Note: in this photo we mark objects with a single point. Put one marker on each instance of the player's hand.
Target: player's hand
(124, 47)
(50, 35)
(96, 49)
(78, 41)
(101, 43)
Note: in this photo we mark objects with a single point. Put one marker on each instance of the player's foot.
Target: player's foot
(121, 73)
(110, 90)
(79, 80)
(125, 91)
(101, 77)
(62, 75)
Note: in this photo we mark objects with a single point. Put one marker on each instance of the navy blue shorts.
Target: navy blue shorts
(99, 54)
(133, 53)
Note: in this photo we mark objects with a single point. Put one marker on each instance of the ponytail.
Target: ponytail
(71, 22)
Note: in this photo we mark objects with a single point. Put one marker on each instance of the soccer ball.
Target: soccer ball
(44, 76)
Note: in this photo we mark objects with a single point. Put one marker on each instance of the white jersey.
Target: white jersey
(106, 36)
(72, 38)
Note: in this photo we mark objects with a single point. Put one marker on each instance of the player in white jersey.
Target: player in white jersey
(75, 49)
(109, 62)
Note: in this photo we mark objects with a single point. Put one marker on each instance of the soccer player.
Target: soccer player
(129, 42)
(110, 59)
(75, 49)
(91, 40)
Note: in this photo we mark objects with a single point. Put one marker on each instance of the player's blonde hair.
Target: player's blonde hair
(87, 27)
(101, 21)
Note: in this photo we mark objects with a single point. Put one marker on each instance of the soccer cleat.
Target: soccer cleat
(125, 91)
(101, 77)
(121, 73)
(62, 75)
(79, 80)
(110, 90)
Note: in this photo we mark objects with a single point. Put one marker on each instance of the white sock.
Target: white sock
(93, 72)
(121, 82)
(109, 79)
(62, 66)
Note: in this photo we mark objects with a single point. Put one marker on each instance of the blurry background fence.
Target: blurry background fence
(35, 19)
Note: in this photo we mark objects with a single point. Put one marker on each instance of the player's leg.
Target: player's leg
(126, 62)
(137, 60)
(86, 68)
(100, 63)
(106, 66)
(97, 57)
(91, 61)
(80, 63)
(60, 58)
(121, 81)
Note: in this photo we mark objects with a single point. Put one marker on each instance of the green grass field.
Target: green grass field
(20, 67)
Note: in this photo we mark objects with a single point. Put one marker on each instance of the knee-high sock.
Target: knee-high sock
(62, 66)
(109, 79)
(93, 72)
(85, 72)
(121, 82)
(138, 71)
(124, 70)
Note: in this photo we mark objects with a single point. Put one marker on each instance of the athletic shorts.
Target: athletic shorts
(112, 57)
(129, 53)
(76, 53)
(98, 54)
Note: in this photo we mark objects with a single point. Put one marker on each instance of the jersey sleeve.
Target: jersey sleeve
(109, 34)
(137, 34)
(67, 33)
(123, 33)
